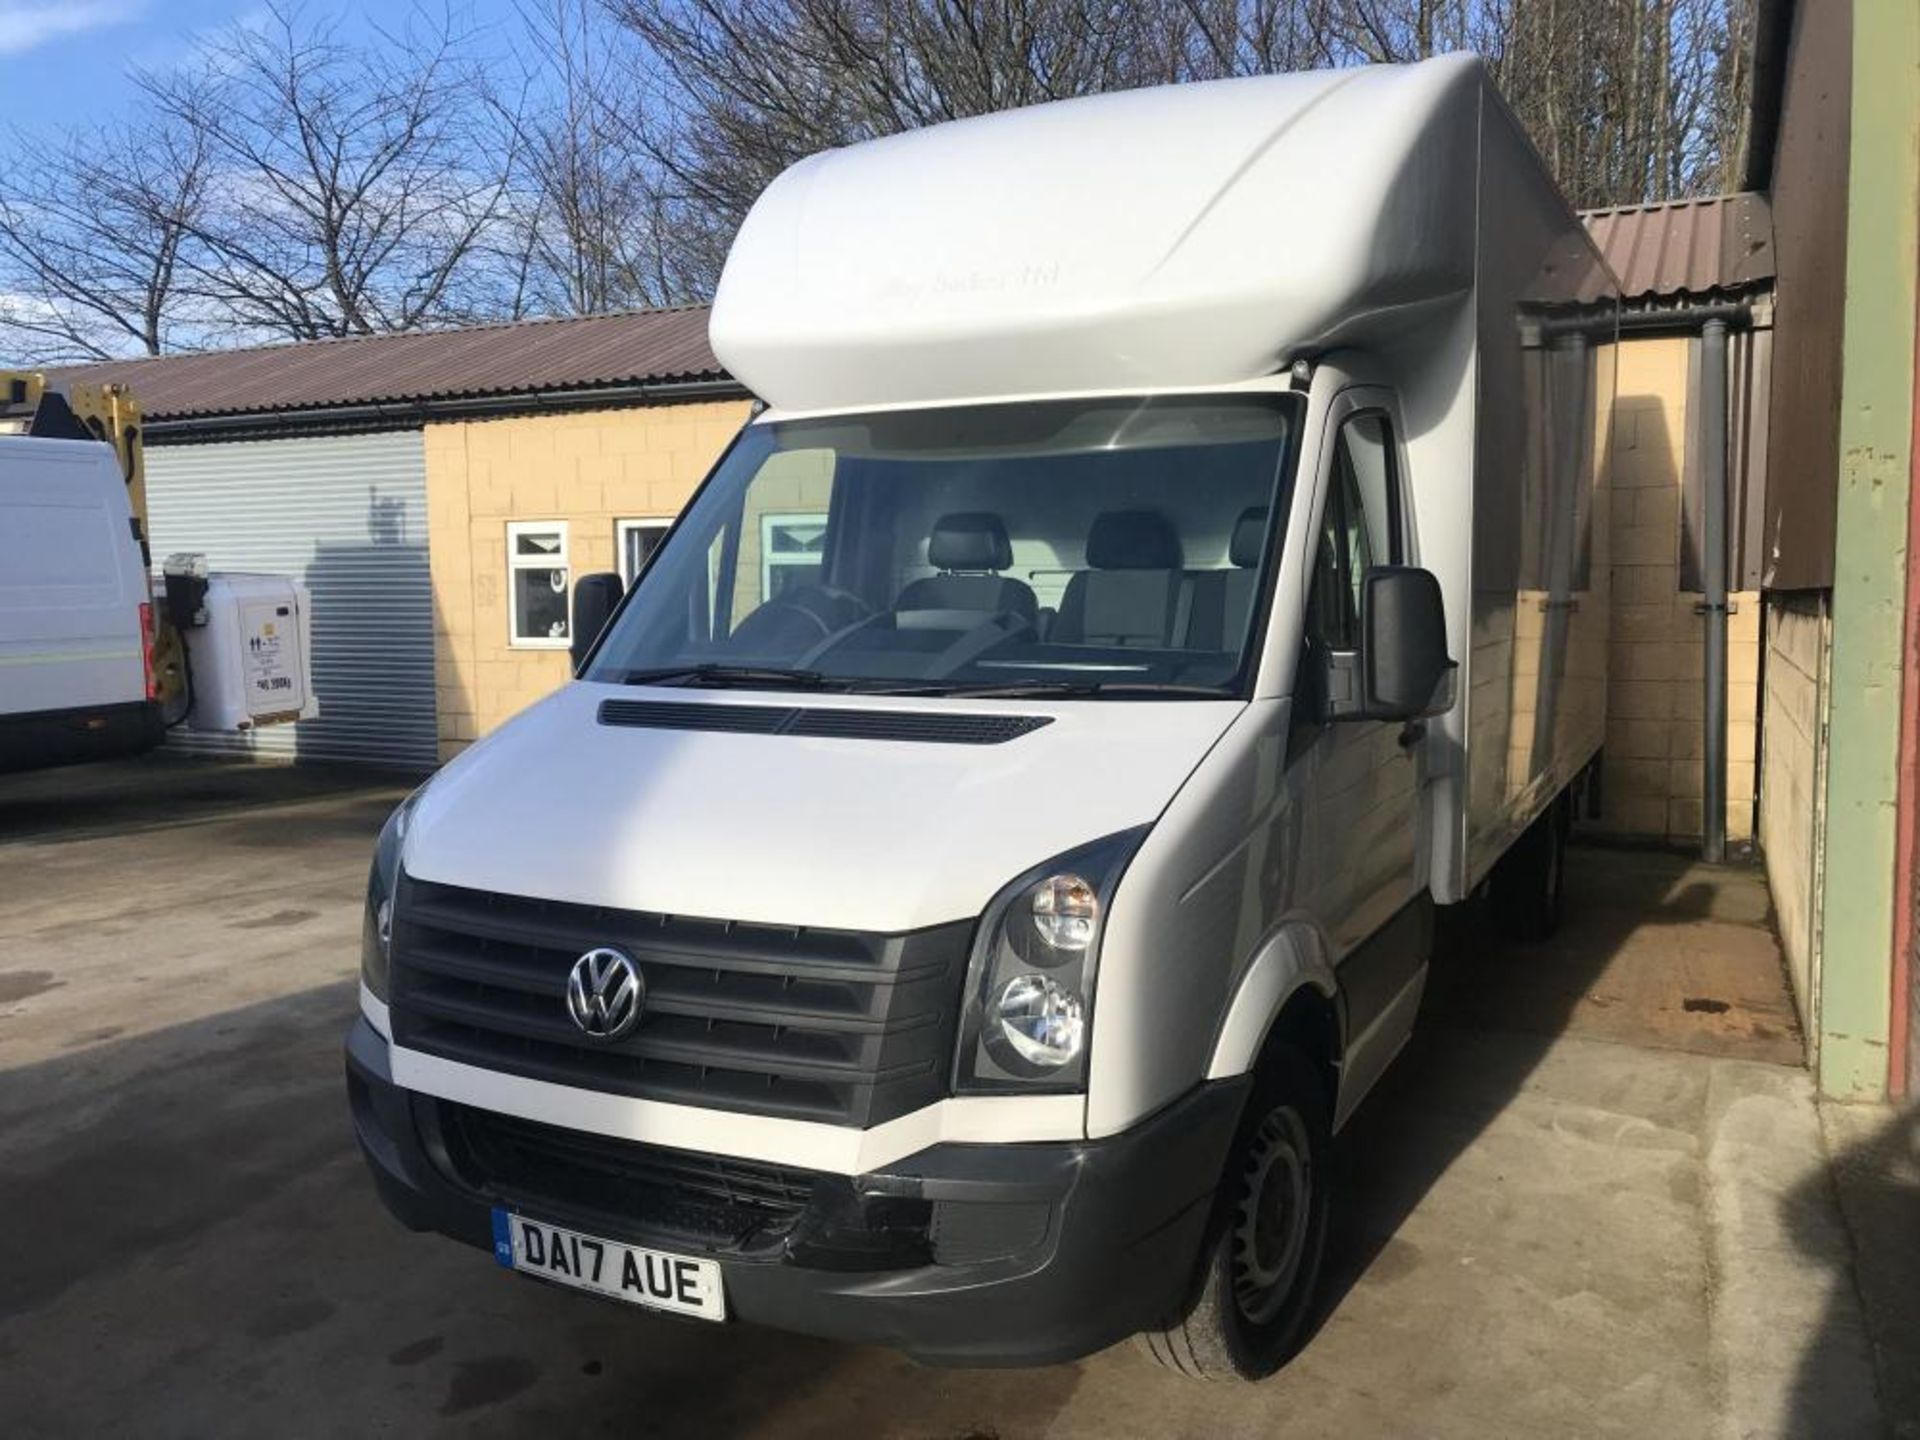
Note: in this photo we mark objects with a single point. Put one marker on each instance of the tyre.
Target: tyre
(1528, 887)
(1260, 1282)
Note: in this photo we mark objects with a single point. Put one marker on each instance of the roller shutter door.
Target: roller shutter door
(346, 514)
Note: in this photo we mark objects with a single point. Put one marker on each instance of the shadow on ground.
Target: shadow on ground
(206, 1217)
(165, 790)
(1653, 953)
(192, 1246)
(1876, 1179)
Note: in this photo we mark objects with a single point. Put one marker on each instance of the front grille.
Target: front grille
(968, 1232)
(621, 1185)
(831, 1025)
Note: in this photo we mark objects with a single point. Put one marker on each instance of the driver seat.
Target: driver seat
(969, 550)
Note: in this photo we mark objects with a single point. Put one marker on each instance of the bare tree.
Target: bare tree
(743, 88)
(1628, 100)
(292, 183)
(588, 225)
(94, 233)
(353, 185)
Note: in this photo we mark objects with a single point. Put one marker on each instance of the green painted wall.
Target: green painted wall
(1870, 559)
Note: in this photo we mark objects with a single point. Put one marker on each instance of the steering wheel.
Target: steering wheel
(993, 631)
(826, 609)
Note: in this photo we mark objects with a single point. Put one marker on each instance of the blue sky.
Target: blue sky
(66, 62)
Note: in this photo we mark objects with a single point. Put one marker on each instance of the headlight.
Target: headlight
(383, 882)
(1066, 911)
(1030, 978)
(1042, 1021)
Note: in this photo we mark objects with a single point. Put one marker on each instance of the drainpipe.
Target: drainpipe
(1713, 582)
(1903, 1069)
(1712, 322)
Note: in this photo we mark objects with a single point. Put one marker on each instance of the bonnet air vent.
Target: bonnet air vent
(934, 728)
(926, 727)
(665, 715)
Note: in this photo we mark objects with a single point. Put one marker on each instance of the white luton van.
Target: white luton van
(995, 844)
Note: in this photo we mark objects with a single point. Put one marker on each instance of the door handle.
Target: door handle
(1412, 733)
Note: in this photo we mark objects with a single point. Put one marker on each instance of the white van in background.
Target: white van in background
(970, 940)
(76, 613)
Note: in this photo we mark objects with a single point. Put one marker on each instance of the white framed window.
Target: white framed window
(634, 541)
(537, 584)
(792, 550)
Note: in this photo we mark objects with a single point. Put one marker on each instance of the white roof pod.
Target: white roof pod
(1191, 235)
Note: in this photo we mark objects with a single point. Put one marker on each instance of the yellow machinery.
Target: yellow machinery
(29, 405)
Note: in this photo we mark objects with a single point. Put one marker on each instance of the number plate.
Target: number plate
(606, 1267)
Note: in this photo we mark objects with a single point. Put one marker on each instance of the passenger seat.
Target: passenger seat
(1222, 600)
(967, 549)
(1131, 588)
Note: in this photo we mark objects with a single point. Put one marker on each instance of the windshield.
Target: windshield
(1099, 547)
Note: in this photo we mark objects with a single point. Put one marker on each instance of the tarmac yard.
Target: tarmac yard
(1593, 1198)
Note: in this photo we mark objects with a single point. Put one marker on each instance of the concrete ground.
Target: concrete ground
(1593, 1198)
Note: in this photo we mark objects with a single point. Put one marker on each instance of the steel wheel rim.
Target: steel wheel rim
(1273, 1215)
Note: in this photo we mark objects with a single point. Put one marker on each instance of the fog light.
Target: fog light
(1041, 1020)
(1066, 912)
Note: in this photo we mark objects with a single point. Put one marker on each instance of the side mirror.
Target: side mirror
(1402, 670)
(595, 598)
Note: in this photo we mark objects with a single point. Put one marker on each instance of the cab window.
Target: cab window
(1359, 527)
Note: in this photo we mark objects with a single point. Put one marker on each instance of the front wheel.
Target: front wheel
(1269, 1239)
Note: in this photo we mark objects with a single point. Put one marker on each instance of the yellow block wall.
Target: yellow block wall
(1654, 692)
(589, 468)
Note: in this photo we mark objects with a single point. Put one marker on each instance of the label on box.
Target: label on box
(270, 658)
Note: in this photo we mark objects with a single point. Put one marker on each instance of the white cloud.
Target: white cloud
(27, 24)
(188, 49)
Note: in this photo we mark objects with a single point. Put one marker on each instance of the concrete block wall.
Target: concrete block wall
(1654, 770)
(588, 468)
(1798, 634)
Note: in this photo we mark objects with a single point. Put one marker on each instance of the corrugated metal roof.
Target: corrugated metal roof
(1687, 249)
(631, 348)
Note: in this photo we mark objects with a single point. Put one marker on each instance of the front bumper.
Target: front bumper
(1035, 1252)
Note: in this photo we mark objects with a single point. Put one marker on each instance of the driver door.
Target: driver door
(1364, 819)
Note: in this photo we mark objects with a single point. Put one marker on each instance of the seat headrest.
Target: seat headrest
(973, 541)
(1132, 540)
(1249, 536)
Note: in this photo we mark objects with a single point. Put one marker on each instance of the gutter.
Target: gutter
(1684, 318)
(409, 414)
(1772, 40)
(1691, 319)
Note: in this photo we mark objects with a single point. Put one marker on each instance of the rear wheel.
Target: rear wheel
(1269, 1238)
(1528, 887)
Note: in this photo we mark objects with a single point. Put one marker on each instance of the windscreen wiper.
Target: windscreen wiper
(1069, 689)
(772, 676)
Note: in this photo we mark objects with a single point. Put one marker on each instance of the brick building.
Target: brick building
(514, 503)
(436, 492)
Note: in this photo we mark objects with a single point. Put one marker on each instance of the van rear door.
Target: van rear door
(72, 583)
